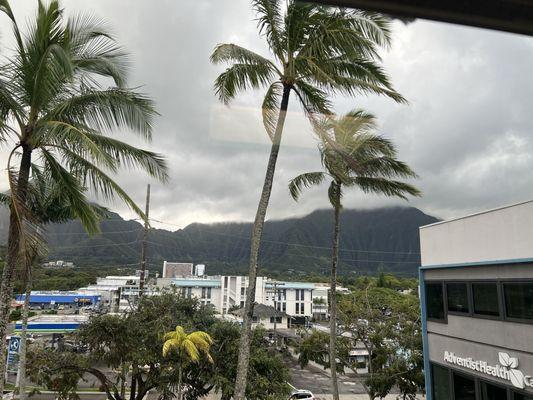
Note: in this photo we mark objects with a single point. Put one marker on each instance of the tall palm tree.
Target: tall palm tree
(188, 348)
(352, 156)
(62, 92)
(315, 52)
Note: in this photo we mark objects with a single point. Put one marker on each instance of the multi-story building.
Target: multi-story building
(227, 293)
(476, 287)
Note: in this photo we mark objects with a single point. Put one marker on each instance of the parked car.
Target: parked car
(302, 394)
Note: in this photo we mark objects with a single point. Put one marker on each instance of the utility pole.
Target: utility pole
(143, 245)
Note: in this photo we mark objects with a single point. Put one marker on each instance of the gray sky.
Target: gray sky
(466, 132)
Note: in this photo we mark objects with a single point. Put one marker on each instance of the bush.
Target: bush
(15, 315)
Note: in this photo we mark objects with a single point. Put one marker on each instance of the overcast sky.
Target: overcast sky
(466, 131)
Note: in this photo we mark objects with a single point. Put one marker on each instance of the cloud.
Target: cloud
(467, 129)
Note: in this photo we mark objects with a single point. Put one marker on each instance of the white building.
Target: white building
(118, 292)
(227, 293)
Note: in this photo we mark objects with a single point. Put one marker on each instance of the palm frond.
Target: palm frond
(108, 110)
(240, 77)
(306, 180)
(384, 186)
(270, 24)
(271, 107)
(94, 49)
(95, 179)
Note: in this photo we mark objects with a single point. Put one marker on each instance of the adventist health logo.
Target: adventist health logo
(507, 369)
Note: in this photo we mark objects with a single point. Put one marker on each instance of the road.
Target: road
(318, 382)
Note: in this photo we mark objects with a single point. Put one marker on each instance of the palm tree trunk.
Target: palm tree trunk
(180, 380)
(244, 348)
(333, 301)
(12, 257)
(24, 341)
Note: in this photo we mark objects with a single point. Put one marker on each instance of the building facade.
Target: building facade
(228, 293)
(177, 269)
(476, 288)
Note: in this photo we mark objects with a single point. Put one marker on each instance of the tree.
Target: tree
(317, 51)
(188, 348)
(62, 92)
(367, 162)
(133, 343)
(392, 340)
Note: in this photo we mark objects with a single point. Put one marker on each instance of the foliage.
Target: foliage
(387, 324)
(133, 343)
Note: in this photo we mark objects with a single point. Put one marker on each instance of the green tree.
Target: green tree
(391, 338)
(352, 156)
(316, 52)
(133, 343)
(188, 347)
(62, 91)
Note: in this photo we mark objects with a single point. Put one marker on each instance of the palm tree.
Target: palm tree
(352, 156)
(62, 92)
(188, 348)
(316, 52)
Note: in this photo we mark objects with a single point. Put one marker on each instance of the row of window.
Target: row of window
(450, 385)
(300, 309)
(508, 300)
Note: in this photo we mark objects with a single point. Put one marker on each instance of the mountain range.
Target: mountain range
(371, 240)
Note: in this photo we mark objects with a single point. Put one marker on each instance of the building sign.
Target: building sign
(13, 354)
(507, 369)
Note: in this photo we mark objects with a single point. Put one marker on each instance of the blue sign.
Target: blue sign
(14, 344)
(13, 354)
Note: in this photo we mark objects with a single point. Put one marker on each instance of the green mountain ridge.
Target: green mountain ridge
(371, 240)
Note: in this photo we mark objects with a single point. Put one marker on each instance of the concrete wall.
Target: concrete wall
(500, 234)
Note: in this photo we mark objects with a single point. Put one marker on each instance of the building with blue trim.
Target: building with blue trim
(53, 299)
(476, 291)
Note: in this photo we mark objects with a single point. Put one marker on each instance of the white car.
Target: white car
(302, 394)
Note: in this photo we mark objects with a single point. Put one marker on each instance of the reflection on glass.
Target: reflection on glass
(464, 388)
(434, 301)
(457, 294)
(518, 300)
(486, 298)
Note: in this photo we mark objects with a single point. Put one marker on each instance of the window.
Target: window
(203, 292)
(284, 307)
(518, 300)
(242, 304)
(297, 308)
(243, 291)
(209, 293)
(457, 295)
(302, 310)
(441, 383)
(485, 298)
(464, 388)
(492, 392)
(278, 320)
(297, 295)
(435, 301)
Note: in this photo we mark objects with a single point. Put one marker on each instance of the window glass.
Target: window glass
(464, 388)
(441, 383)
(492, 392)
(485, 297)
(518, 299)
(457, 294)
(434, 301)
